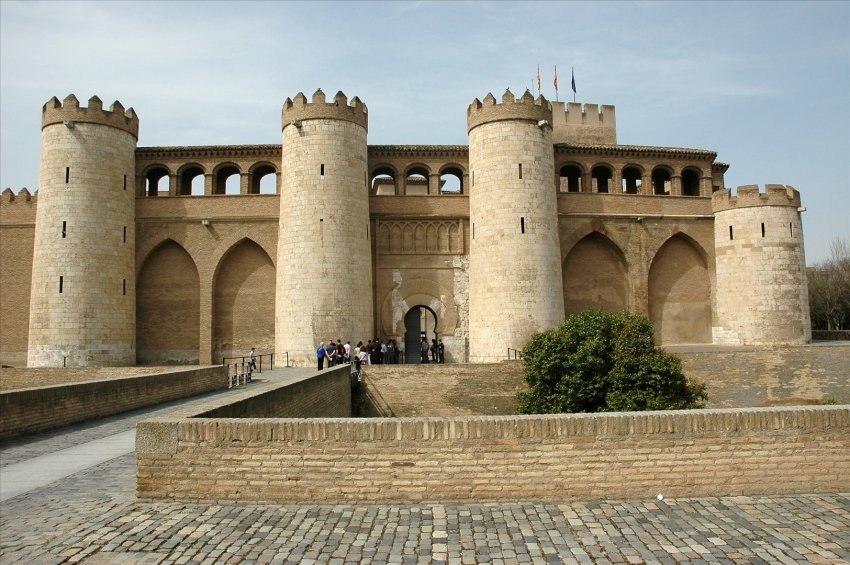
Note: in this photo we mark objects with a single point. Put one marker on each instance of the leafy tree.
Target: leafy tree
(600, 361)
(829, 288)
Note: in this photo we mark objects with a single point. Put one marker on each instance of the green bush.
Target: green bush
(603, 362)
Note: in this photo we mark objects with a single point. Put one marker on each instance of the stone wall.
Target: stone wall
(735, 377)
(508, 458)
(37, 409)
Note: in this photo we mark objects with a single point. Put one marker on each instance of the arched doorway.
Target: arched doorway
(419, 322)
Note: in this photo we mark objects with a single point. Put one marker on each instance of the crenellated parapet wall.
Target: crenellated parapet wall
(573, 122)
(750, 195)
(297, 109)
(526, 108)
(69, 111)
(17, 209)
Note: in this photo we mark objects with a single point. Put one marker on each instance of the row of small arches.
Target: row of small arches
(573, 177)
(225, 178)
(385, 179)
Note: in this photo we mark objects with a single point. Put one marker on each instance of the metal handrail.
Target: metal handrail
(514, 354)
(242, 372)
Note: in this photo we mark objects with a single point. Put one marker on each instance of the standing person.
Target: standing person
(340, 352)
(330, 353)
(434, 350)
(369, 352)
(391, 351)
(441, 349)
(320, 355)
(252, 361)
(423, 351)
(384, 350)
(347, 351)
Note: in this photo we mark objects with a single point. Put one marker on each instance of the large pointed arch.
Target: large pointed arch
(595, 276)
(168, 307)
(243, 301)
(680, 292)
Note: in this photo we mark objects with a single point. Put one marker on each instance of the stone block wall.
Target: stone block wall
(32, 410)
(508, 458)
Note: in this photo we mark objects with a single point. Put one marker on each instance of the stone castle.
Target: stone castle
(157, 255)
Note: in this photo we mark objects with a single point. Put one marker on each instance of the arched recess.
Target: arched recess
(227, 179)
(570, 176)
(263, 179)
(191, 180)
(243, 295)
(595, 276)
(662, 181)
(451, 180)
(632, 179)
(690, 181)
(602, 175)
(168, 307)
(383, 181)
(680, 293)
(416, 180)
(156, 180)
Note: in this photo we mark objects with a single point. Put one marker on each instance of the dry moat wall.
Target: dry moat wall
(272, 454)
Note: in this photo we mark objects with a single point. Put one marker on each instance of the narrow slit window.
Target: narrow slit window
(762, 229)
(473, 231)
(61, 284)
(125, 234)
(67, 174)
(731, 236)
(64, 232)
(124, 287)
(522, 225)
(367, 231)
(125, 182)
(322, 170)
(520, 170)
(791, 229)
(473, 178)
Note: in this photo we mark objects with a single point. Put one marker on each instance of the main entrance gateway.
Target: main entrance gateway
(420, 321)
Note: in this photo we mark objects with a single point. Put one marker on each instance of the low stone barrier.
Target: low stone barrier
(494, 458)
(37, 409)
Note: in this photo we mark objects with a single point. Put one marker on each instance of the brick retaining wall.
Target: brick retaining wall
(497, 458)
(37, 409)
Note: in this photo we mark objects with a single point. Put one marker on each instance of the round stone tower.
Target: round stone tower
(324, 257)
(762, 293)
(83, 299)
(515, 282)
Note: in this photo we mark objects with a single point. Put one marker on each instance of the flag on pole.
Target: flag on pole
(538, 80)
(574, 80)
(556, 78)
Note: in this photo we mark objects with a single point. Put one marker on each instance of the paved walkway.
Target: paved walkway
(69, 496)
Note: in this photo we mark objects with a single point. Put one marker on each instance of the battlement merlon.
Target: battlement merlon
(573, 122)
(69, 111)
(749, 196)
(526, 108)
(297, 109)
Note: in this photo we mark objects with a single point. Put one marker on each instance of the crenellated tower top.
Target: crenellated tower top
(526, 108)
(69, 111)
(573, 122)
(749, 196)
(297, 109)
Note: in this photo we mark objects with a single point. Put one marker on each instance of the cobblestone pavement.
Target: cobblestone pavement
(93, 517)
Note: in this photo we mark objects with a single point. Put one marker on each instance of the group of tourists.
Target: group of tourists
(436, 350)
(374, 352)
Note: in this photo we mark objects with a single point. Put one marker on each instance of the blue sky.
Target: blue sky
(765, 85)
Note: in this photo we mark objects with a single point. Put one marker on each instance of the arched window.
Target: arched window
(263, 179)
(632, 179)
(661, 181)
(191, 181)
(416, 181)
(383, 181)
(601, 178)
(570, 179)
(451, 181)
(690, 182)
(156, 181)
(227, 180)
